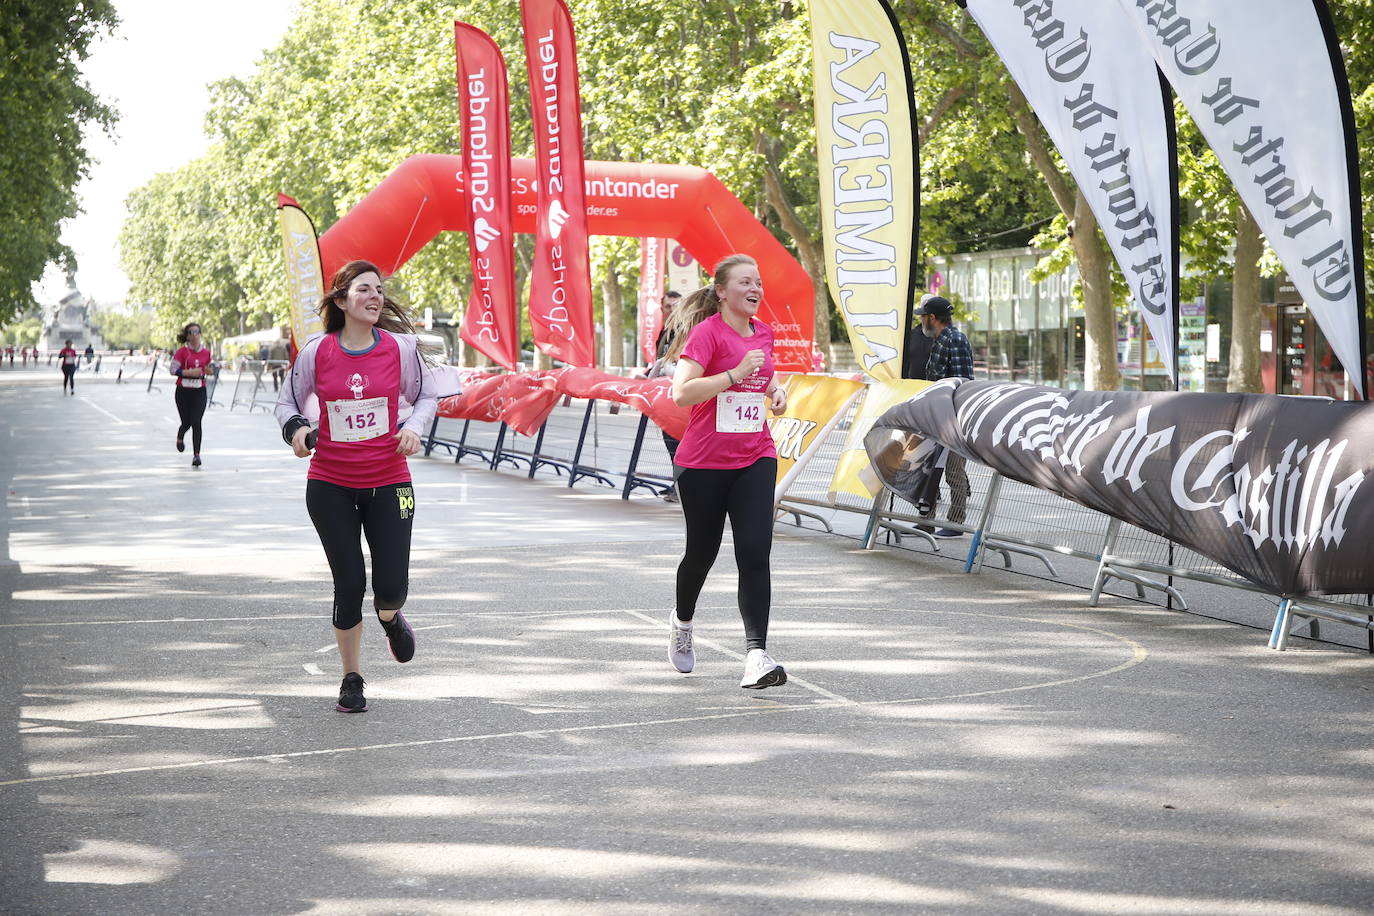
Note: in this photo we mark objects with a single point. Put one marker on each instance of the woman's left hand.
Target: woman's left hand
(779, 403)
(407, 442)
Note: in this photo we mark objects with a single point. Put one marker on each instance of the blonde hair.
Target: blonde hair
(701, 304)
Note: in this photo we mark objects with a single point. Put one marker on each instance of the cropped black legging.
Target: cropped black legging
(384, 515)
(191, 408)
(745, 495)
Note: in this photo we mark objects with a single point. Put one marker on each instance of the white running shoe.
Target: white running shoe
(761, 671)
(680, 651)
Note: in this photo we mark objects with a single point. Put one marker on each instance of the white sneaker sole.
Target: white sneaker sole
(774, 678)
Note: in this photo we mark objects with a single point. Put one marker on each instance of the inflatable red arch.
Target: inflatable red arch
(425, 196)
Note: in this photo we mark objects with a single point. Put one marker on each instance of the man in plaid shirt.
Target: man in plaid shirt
(950, 357)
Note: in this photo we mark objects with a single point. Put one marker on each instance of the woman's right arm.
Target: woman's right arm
(291, 400)
(692, 386)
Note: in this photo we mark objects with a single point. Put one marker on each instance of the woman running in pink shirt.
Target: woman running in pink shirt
(726, 465)
(361, 370)
(192, 367)
(66, 358)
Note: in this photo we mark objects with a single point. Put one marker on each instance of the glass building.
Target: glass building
(1033, 332)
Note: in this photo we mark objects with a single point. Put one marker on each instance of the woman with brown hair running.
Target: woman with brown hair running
(192, 366)
(361, 370)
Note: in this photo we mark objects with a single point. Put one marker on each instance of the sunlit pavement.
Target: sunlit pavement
(946, 743)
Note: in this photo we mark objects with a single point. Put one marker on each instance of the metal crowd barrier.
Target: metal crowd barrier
(618, 447)
(257, 397)
(581, 439)
(1006, 517)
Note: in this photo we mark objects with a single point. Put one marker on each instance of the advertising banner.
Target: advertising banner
(528, 399)
(652, 396)
(684, 273)
(304, 276)
(815, 403)
(1274, 494)
(560, 305)
(850, 474)
(1097, 91)
(478, 400)
(867, 163)
(1284, 131)
(426, 196)
(490, 321)
(651, 271)
(521, 400)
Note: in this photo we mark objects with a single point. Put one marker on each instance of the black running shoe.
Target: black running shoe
(351, 697)
(181, 446)
(400, 637)
(195, 462)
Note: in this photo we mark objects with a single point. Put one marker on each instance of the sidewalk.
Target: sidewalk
(946, 743)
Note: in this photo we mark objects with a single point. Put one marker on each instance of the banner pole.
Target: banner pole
(1352, 159)
(912, 266)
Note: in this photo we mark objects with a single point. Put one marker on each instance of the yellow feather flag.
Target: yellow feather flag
(867, 164)
(304, 275)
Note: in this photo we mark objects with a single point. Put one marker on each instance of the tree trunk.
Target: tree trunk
(1244, 374)
(809, 249)
(1100, 369)
(613, 314)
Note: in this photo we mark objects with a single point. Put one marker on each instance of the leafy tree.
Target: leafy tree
(46, 108)
(22, 332)
(121, 331)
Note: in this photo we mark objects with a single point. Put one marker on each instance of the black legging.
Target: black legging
(384, 515)
(68, 378)
(191, 408)
(746, 496)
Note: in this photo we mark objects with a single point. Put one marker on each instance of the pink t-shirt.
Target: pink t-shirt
(716, 347)
(359, 398)
(187, 358)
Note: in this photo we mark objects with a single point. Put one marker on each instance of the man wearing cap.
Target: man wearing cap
(950, 357)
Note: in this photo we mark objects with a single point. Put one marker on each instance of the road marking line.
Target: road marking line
(104, 411)
(1139, 654)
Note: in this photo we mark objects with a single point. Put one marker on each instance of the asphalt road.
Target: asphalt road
(947, 743)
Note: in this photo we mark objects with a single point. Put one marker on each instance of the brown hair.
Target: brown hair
(393, 317)
(702, 304)
(184, 335)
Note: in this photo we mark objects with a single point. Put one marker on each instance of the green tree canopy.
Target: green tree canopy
(46, 108)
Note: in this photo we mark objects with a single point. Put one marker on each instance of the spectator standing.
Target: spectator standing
(664, 366)
(950, 357)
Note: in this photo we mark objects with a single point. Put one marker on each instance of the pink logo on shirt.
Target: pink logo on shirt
(356, 383)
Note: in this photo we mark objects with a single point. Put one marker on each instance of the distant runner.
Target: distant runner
(192, 366)
(66, 358)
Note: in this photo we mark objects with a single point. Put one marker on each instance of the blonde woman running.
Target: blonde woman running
(726, 464)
